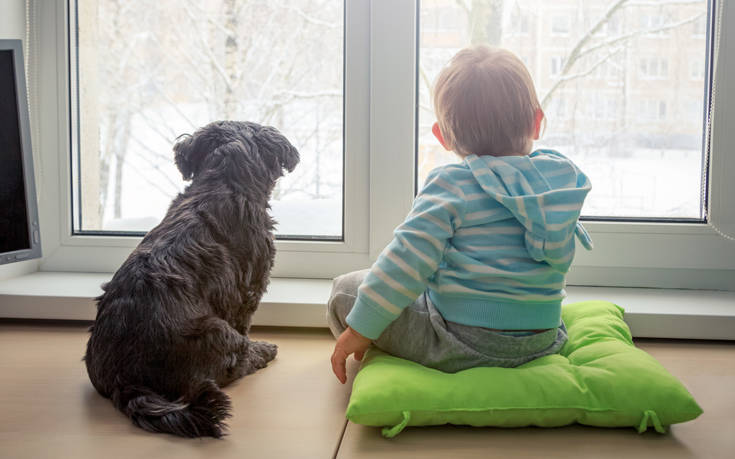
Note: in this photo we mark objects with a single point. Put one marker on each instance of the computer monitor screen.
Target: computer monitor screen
(19, 232)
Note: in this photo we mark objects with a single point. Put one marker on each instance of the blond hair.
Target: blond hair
(485, 103)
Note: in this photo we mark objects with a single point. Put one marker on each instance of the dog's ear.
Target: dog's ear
(276, 151)
(192, 151)
(185, 156)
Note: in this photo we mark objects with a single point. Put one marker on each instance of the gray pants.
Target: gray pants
(422, 335)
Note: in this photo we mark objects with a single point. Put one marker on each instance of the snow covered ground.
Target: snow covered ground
(649, 184)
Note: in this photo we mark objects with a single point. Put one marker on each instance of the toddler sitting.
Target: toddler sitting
(475, 275)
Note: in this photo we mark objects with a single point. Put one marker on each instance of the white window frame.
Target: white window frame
(66, 252)
(380, 144)
(664, 255)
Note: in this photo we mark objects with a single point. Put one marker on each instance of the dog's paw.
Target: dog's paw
(266, 351)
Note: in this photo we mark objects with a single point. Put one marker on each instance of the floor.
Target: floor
(294, 408)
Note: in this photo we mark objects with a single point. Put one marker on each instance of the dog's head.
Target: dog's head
(237, 150)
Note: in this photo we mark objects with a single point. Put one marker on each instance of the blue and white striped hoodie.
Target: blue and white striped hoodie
(490, 240)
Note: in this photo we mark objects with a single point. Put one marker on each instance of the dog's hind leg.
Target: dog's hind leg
(223, 351)
(253, 356)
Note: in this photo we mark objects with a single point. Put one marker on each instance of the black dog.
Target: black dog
(172, 324)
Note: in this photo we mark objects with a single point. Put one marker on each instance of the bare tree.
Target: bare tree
(115, 141)
(162, 59)
(484, 19)
(610, 47)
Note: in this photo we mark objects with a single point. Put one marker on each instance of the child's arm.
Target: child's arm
(402, 270)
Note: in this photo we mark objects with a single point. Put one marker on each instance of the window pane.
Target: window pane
(622, 85)
(147, 72)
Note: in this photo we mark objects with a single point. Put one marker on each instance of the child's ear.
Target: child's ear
(438, 134)
(537, 123)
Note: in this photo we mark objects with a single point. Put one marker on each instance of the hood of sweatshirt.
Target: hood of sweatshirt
(545, 192)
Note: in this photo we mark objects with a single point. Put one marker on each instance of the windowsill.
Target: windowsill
(651, 313)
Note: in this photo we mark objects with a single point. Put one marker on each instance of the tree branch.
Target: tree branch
(308, 95)
(577, 52)
(310, 19)
(636, 33)
(207, 48)
(574, 54)
(463, 4)
(567, 78)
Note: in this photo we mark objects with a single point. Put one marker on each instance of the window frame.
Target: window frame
(676, 254)
(380, 128)
(81, 252)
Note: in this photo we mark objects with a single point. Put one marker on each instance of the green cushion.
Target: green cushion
(599, 378)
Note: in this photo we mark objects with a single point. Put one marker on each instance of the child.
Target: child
(475, 275)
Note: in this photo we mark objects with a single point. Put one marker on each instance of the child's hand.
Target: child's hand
(349, 342)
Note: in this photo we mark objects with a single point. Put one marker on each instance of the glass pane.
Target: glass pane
(147, 72)
(622, 85)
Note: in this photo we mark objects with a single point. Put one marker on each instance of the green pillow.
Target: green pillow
(599, 378)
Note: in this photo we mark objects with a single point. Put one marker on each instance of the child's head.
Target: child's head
(486, 104)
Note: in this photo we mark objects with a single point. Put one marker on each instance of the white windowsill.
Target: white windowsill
(652, 313)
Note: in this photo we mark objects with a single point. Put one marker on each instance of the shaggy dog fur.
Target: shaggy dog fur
(172, 324)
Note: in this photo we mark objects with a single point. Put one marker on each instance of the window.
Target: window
(654, 24)
(557, 64)
(654, 68)
(616, 127)
(603, 107)
(334, 237)
(519, 23)
(610, 70)
(610, 25)
(699, 27)
(642, 238)
(560, 24)
(696, 69)
(146, 73)
(652, 110)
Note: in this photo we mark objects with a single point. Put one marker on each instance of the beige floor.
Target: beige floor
(295, 409)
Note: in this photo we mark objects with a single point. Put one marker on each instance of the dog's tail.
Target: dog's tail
(202, 414)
